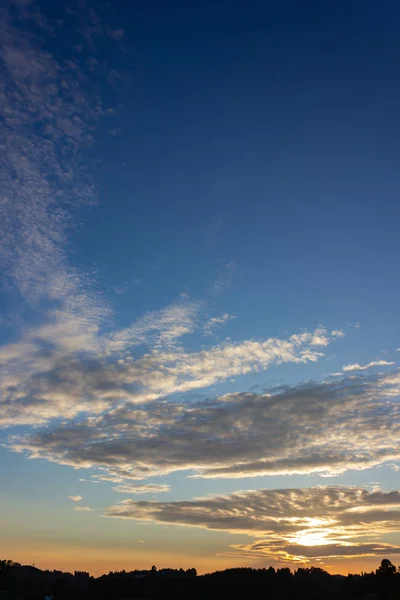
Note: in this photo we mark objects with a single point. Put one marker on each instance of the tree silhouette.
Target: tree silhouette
(386, 568)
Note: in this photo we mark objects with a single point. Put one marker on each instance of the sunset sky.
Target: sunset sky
(199, 301)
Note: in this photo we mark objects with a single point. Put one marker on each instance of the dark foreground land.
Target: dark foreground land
(19, 582)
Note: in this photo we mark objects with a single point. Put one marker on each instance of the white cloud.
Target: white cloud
(374, 363)
(338, 333)
(64, 367)
(83, 509)
(292, 525)
(161, 328)
(213, 323)
(75, 498)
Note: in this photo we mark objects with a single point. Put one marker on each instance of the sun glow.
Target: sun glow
(311, 538)
(318, 533)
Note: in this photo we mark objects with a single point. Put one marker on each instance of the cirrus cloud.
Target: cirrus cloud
(374, 363)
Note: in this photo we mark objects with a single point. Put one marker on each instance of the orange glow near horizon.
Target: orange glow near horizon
(98, 561)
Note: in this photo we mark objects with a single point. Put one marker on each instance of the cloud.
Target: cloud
(161, 328)
(75, 498)
(97, 398)
(300, 554)
(374, 363)
(338, 333)
(213, 323)
(116, 34)
(67, 364)
(223, 279)
(326, 428)
(289, 524)
(49, 114)
(50, 111)
(48, 118)
(65, 367)
(145, 488)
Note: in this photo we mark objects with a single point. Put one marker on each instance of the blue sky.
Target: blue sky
(199, 298)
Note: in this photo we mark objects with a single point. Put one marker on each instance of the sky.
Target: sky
(199, 331)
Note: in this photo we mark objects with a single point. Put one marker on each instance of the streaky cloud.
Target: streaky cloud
(144, 488)
(294, 525)
(374, 363)
(326, 428)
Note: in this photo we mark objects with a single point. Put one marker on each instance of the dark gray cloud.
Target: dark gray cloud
(327, 428)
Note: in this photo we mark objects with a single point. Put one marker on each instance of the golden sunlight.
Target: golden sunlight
(318, 533)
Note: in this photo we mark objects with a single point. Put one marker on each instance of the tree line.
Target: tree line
(18, 582)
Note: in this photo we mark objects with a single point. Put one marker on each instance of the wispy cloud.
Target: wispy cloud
(47, 121)
(213, 323)
(374, 363)
(49, 111)
(145, 488)
(161, 328)
(326, 428)
(75, 498)
(223, 279)
(338, 333)
(83, 509)
(292, 525)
